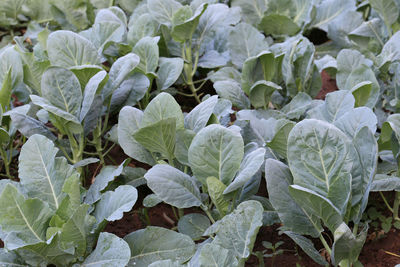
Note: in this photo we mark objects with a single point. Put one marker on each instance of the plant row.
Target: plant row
(80, 78)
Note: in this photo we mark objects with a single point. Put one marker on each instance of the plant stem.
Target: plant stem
(355, 229)
(386, 202)
(326, 246)
(3, 154)
(98, 144)
(396, 205)
(208, 214)
(180, 213)
(189, 70)
(147, 95)
(260, 258)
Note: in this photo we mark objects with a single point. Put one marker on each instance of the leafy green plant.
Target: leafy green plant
(47, 218)
(331, 169)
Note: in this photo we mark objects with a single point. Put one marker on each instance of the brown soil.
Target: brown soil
(377, 252)
(328, 85)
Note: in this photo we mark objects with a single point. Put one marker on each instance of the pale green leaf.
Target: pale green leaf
(173, 186)
(216, 151)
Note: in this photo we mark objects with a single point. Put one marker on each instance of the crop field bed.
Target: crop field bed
(199, 133)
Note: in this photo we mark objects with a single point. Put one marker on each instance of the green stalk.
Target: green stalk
(3, 154)
(97, 139)
(326, 246)
(396, 205)
(355, 229)
(386, 202)
(207, 212)
(147, 95)
(189, 70)
(76, 147)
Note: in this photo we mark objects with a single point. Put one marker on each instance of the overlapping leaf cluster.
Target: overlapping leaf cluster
(80, 78)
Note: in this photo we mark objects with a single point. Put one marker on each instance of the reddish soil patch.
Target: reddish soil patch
(328, 85)
(376, 253)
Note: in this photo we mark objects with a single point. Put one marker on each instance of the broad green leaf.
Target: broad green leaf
(173, 186)
(279, 142)
(10, 10)
(314, 204)
(252, 10)
(73, 14)
(166, 263)
(155, 243)
(353, 120)
(361, 93)
(44, 253)
(257, 68)
(298, 106)
(108, 27)
(67, 49)
(365, 160)
(10, 259)
(193, 225)
(231, 91)
(331, 11)
(169, 71)
(62, 89)
(199, 116)
(130, 92)
(216, 151)
(216, 192)
(250, 165)
(346, 245)
(129, 121)
(158, 137)
(4, 136)
(68, 120)
(163, 10)
(225, 73)
(41, 174)
(307, 246)
(85, 72)
(143, 26)
(74, 231)
(110, 251)
(113, 204)
(298, 69)
(119, 71)
(184, 138)
(147, 50)
(184, 24)
(390, 51)
(336, 105)
(245, 41)
(338, 31)
(278, 25)
(317, 153)
(11, 60)
(92, 88)
(32, 69)
(102, 180)
(5, 92)
(213, 255)
(293, 216)
(24, 220)
(387, 10)
(383, 182)
(261, 92)
(162, 107)
(151, 200)
(214, 16)
(237, 231)
(352, 69)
